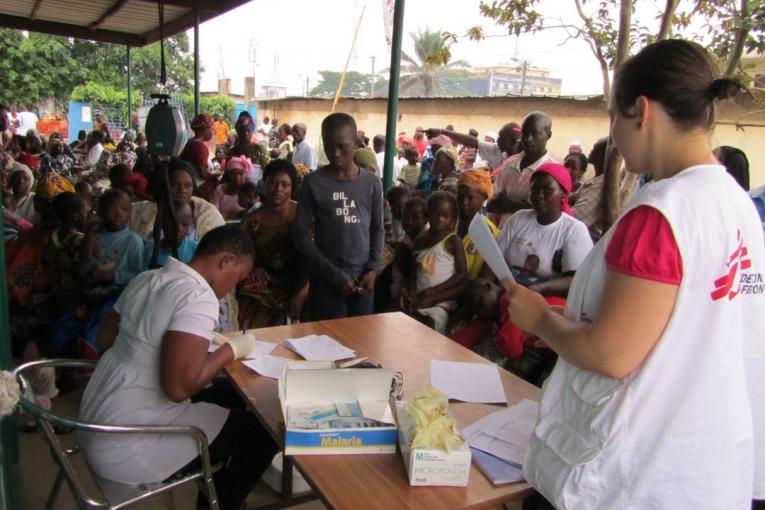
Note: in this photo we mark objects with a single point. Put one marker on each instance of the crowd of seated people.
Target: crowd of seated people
(82, 221)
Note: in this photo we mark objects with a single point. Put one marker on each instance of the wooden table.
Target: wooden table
(379, 481)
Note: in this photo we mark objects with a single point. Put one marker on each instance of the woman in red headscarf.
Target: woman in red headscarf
(543, 247)
(226, 196)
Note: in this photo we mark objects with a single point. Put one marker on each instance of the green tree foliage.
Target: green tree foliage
(40, 66)
(214, 105)
(431, 70)
(36, 68)
(730, 26)
(356, 84)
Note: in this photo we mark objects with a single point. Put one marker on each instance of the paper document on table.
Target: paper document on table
(319, 348)
(468, 382)
(487, 246)
(505, 434)
(268, 366)
(260, 349)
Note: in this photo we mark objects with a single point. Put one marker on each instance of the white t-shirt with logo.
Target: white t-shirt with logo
(527, 243)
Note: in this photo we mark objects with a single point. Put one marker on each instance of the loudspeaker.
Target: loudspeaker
(164, 128)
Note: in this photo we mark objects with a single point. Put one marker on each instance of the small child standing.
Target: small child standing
(339, 227)
(439, 271)
(187, 246)
(414, 219)
(410, 173)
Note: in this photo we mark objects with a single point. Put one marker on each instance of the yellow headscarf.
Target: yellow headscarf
(366, 158)
(52, 185)
(478, 179)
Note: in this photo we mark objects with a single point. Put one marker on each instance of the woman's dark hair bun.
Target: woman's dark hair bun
(725, 88)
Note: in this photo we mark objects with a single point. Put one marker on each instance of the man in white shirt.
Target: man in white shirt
(304, 152)
(378, 143)
(494, 154)
(265, 128)
(27, 121)
(513, 183)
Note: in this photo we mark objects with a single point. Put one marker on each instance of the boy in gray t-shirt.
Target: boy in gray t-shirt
(339, 227)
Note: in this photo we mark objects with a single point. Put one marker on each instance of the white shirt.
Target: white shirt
(306, 154)
(125, 387)
(27, 121)
(264, 128)
(685, 429)
(515, 181)
(94, 155)
(491, 153)
(525, 242)
(381, 165)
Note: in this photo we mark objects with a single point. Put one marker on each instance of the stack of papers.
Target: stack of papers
(468, 382)
(319, 348)
(504, 438)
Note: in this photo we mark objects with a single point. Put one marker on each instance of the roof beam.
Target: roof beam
(66, 30)
(35, 8)
(111, 11)
(186, 21)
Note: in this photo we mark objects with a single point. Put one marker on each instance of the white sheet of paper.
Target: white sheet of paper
(487, 246)
(468, 382)
(319, 348)
(268, 366)
(260, 349)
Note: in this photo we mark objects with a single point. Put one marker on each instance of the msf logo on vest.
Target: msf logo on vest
(738, 280)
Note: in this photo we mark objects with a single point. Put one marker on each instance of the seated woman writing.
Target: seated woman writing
(156, 340)
(543, 246)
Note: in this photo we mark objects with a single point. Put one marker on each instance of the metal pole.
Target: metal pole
(372, 85)
(196, 62)
(129, 123)
(10, 486)
(395, 68)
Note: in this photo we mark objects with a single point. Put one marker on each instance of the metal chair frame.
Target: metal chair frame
(46, 420)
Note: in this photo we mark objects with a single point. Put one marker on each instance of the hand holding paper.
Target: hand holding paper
(487, 246)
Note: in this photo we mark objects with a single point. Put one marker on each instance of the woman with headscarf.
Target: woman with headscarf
(226, 196)
(736, 163)
(366, 158)
(196, 151)
(474, 188)
(21, 201)
(445, 169)
(428, 179)
(543, 247)
(244, 146)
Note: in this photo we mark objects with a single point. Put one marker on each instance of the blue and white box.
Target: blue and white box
(311, 394)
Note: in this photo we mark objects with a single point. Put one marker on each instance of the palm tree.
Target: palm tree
(431, 66)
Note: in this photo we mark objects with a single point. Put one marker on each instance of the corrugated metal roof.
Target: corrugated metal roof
(121, 21)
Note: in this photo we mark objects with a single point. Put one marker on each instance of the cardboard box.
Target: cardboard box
(431, 467)
(368, 387)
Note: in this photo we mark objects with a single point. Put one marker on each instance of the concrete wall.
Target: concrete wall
(573, 119)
